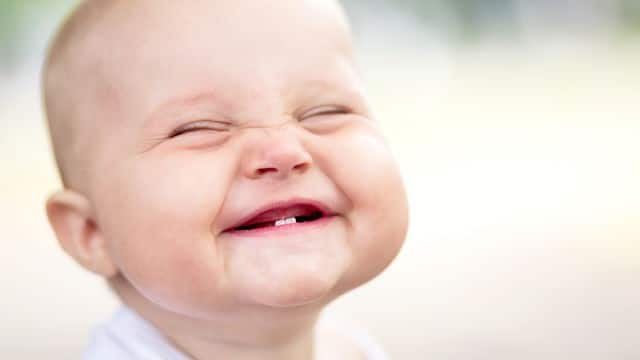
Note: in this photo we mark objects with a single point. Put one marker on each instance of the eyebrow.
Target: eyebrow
(316, 89)
(174, 104)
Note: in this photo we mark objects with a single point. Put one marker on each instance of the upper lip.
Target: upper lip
(324, 209)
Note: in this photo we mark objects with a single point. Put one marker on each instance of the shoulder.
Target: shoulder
(128, 336)
(346, 340)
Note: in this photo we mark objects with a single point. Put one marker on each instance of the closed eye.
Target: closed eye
(202, 125)
(324, 111)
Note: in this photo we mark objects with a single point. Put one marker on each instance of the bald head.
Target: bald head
(95, 59)
(70, 83)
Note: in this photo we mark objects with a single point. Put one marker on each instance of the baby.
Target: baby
(222, 171)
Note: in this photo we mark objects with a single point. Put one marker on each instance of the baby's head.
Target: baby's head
(219, 156)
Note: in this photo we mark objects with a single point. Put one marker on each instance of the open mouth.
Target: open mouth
(281, 216)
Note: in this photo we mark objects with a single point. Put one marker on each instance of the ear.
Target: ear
(71, 217)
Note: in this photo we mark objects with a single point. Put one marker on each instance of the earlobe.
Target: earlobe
(70, 215)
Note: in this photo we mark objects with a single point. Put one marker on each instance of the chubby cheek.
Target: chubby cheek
(158, 226)
(364, 169)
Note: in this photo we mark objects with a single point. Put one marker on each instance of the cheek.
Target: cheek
(362, 165)
(364, 169)
(158, 227)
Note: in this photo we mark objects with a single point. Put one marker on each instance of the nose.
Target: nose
(276, 154)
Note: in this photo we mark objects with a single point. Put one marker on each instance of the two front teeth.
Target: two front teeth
(285, 221)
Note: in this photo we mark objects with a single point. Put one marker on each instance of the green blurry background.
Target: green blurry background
(516, 125)
(458, 20)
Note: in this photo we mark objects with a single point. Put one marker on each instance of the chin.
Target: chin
(295, 289)
(294, 299)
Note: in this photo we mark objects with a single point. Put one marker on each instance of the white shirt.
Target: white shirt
(128, 336)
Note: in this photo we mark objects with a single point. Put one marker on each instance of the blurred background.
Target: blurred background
(517, 126)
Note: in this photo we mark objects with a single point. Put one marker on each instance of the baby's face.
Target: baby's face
(242, 166)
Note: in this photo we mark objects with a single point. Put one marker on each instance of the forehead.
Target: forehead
(239, 49)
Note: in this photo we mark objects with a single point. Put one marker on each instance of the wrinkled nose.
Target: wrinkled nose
(275, 153)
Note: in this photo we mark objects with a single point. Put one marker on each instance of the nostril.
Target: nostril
(297, 168)
(266, 170)
(301, 166)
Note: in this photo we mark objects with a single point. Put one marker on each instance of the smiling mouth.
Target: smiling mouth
(281, 216)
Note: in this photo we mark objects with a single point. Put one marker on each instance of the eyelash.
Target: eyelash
(325, 110)
(199, 125)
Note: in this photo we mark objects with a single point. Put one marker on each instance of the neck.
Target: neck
(296, 347)
(250, 334)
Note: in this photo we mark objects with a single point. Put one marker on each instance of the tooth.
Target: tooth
(286, 221)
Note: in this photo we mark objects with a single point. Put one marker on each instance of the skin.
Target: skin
(209, 111)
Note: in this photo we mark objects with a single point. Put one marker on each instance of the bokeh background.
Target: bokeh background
(517, 127)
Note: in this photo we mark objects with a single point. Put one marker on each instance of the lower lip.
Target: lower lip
(283, 229)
